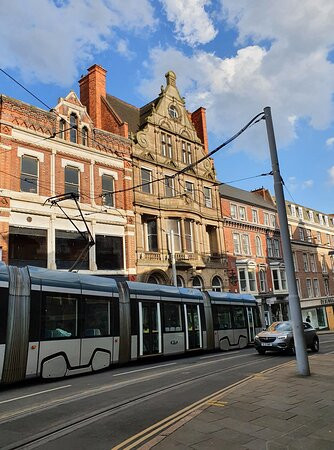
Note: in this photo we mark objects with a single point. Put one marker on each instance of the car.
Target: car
(279, 337)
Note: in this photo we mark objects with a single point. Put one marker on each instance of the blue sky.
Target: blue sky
(234, 57)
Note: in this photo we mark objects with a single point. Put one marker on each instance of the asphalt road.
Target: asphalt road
(100, 411)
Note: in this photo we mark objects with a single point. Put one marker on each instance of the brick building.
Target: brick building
(49, 153)
(253, 247)
(312, 239)
(166, 138)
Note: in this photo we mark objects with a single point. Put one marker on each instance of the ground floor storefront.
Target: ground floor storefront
(319, 312)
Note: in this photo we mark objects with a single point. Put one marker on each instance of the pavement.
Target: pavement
(275, 409)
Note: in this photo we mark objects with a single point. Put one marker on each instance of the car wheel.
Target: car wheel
(261, 351)
(315, 345)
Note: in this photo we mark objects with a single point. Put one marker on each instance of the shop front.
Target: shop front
(319, 312)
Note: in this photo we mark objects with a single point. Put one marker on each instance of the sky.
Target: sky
(233, 57)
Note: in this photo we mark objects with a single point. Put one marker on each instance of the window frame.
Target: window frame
(146, 188)
(106, 192)
(67, 184)
(24, 176)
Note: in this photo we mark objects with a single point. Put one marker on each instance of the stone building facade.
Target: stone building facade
(167, 205)
(49, 153)
(253, 247)
(312, 239)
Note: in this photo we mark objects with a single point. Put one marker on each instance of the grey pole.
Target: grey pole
(294, 303)
(172, 255)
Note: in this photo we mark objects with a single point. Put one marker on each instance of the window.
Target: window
(108, 188)
(258, 245)
(163, 144)
(316, 288)
(96, 318)
(290, 231)
(298, 286)
(263, 280)
(29, 174)
(242, 213)
(74, 128)
(189, 153)
(234, 212)
(62, 129)
(326, 284)
(270, 248)
(312, 262)
(197, 283)
(172, 317)
(324, 264)
(266, 219)
(293, 211)
(27, 246)
(308, 235)
(172, 111)
(189, 188)
(222, 317)
(279, 279)
(236, 243)
(180, 281)
(247, 279)
(306, 262)
(255, 218)
(301, 233)
(319, 237)
(174, 225)
(169, 186)
(217, 284)
(150, 232)
(311, 216)
(326, 221)
(273, 220)
(277, 253)
(207, 197)
(300, 213)
(309, 289)
(239, 319)
(71, 180)
(169, 146)
(69, 246)
(59, 317)
(321, 219)
(84, 136)
(146, 179)
(188, 234)
(245, 244)
(184, 152)
(109, 252)
(295, 261)
(328, 239)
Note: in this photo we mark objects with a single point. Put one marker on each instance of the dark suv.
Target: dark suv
(279, 337)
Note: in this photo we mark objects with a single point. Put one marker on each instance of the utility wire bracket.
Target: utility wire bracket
(55, 200)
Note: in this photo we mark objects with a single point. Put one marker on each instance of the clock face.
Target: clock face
(172, 111)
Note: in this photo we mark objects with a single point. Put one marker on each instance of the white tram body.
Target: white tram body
(55, 324)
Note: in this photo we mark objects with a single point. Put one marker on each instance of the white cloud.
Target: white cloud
(279, 66)
(48, 40)
(192, 23)
(330, 142)
(331, 174)
(307, 184)
(123, 48)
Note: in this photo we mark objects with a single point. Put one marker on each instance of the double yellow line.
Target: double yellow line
(205, 402)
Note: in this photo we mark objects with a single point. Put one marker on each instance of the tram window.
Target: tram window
(224, 321)
(172, 317)
(3, 314)
(239, 320)
(96, 317)
(35, 316)
(257, 318)
(59, 317)
(134, 318)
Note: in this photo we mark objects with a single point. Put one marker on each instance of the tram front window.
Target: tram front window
(59, 317)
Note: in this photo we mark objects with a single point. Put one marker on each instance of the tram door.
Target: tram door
(193, 327)
(250, 323)
(150, 328)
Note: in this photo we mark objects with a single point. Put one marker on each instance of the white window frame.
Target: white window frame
(246, 249)
(281, 280)
(293, 210)
(236, 240)
(147, 186)
(316, 287)
(258, 246)
(247, 270)
(306, 263)
(170, 177)
(255, 216)
(233, 207)
(207, 198)
(242, 217)
(266, 219)
(300, 213)
(309, 288)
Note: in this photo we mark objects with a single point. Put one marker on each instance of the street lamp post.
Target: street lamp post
(294, 303)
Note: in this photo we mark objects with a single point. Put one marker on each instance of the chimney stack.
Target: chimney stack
(92, 89)
(198, 118)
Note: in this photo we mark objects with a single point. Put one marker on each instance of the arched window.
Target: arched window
(217, 284)
(197, 283)
(62, 129)
(74, 128)
(258, 245)
(153, 279)
(84, 135)
(180, 281)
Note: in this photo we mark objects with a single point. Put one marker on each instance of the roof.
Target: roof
(135, 117)
(240, 195)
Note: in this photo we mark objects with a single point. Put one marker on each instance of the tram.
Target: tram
(55, 324)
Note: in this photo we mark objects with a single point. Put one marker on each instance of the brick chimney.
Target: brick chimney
(198, 118)
(92, 90)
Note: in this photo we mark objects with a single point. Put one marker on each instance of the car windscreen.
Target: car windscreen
(280, 326)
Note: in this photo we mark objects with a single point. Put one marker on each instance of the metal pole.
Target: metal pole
(294, 303)
(172, 256)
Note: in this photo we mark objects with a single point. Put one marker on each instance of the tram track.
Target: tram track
(61, 430)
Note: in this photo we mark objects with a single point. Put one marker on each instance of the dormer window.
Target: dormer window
(172, 111)
(84, 135)
(74, 127)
